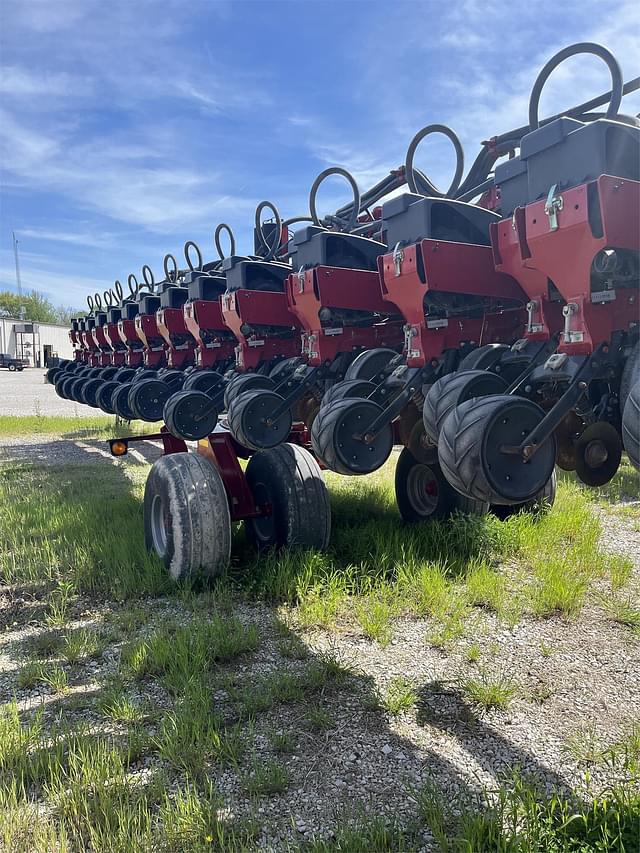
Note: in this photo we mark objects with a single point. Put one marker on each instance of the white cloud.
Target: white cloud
(21, 82)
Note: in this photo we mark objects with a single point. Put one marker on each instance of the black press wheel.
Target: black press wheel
(124, 374)
(540, 504)
(473, 450)
(244, 382)
(289, 481)
(631, 425)
(120, 401)
(210, 382)
(598, 452)
(62, 385)
(147, 399)
(52, 374)
(76, 388)
(251, 422)
(338, 437)
(90, 390)
(630, 375)
(371, 364)
(485, 357)
(104, 395)
(108, 372)
(190, 415)
(144, 373)
(348, 388)
(455, 388)
(186, 516)
(173, 378)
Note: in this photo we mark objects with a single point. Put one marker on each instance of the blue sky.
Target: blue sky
(128, 127)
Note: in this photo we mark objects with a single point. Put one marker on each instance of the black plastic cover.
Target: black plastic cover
(173, 297)
(149, 304)
(567, 152)
(410, 218)
(209, 287)
(244, 274)
(113, 315)
(313, 246)
(130, 309)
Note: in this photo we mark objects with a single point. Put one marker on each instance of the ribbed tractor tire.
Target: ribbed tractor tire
(630, 376)
(245, 414)
(89, 392)
(423, 493)
(147, 399)
(470, 438)
(631, 425)
(289, 480)
(325, 437)
(538, 505)
(348, 388)
(210, 382)
(104, 395)
(243, 382)
(452, 389)
(370, 364)
(483, 358)
(120, 402)
(188, 415)
(186, 516)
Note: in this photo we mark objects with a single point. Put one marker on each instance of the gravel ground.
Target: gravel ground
(26, 393)
(574, 679)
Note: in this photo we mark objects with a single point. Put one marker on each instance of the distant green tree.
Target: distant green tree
(64, 315)
(37, 308)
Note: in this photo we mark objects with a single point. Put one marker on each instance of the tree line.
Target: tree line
(37, 308)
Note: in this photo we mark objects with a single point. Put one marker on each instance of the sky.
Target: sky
(130, 126)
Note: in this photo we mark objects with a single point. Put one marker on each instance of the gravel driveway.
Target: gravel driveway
(27, 393)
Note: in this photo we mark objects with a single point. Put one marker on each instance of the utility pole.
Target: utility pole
(15, 254)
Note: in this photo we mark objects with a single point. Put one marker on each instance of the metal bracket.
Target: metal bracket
(553, 204)
(301, 274)
(532, 307)
(568, 311)
(398, 258)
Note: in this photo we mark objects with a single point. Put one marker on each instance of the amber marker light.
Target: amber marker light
(119, 448)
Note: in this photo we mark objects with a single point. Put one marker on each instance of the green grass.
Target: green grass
(400, 696)
(489, 691)
(70, 427)
(266, 778)
(38, 672)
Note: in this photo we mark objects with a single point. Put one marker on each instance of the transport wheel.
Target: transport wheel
(288, 479)
(370, 364)
(337, 437)
(104, 395)
(90, 390)
(539, 505)
(631, 425)
(348, 388)
(243, 382)
(250, 422)
(472, 456)
(190, 415)
(598, 453)
(210, 382)
(147, 399)
(186, 516)
(120, 401)
(483, 358)
(455, 388)
(630, 375)
(423, 492)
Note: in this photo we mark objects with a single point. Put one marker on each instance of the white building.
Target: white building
(34, 342)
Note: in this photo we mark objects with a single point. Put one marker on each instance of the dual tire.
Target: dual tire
(187, 522)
